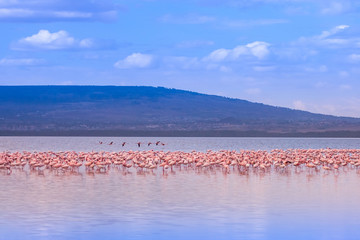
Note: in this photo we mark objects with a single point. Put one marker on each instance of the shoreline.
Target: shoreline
(144, 133)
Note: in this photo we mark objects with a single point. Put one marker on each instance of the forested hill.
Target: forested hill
(150, 109)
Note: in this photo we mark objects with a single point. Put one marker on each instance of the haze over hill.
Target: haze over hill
(121, 110)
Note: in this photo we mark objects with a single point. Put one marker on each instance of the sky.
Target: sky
(301, 54)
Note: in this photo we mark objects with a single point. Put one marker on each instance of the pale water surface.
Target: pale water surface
(171, 144)
(181, 205)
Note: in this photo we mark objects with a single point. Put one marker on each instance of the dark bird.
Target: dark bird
(123, 144)
(100, 142)
(149, 143)
(139, 143)
(111, 143)
(157, 143)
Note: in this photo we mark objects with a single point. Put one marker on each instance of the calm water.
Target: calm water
(171, 144)
(184, 205)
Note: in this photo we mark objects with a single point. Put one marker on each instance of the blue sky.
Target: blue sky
(302, 54)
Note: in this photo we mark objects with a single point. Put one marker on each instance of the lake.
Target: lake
(182, 204)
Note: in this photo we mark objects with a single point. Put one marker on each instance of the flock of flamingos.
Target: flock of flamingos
(226, 161)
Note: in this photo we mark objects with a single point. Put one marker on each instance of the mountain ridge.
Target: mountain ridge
(144, 108)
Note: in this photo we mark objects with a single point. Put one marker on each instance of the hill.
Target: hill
(126, 110)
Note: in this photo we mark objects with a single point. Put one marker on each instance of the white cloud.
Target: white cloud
(219, 55)
(86, 43)
(187, 19)
(257, 49)
(332, 31)
(7, 2)
(54, 10)
(354, 57)
(202, 19)
(218, 60)
(69, 14)
(333, 41)
(328, 38)
(20, 61)
(23, 14)
(15, 13)
(135, 60)
(45, 40)
(299, 105)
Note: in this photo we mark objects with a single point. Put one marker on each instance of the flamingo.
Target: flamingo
(327, 159)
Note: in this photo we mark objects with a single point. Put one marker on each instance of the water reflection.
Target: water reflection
(184, 205)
